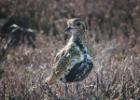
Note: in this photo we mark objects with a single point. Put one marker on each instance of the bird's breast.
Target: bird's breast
(77, 69)
(76, 56)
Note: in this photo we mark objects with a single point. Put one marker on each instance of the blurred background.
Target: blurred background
(26, 53)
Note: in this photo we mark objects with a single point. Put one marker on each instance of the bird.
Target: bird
(17, 33)
(73, 62)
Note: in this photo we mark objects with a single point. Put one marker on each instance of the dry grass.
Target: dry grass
(116, 65)
(113, 39)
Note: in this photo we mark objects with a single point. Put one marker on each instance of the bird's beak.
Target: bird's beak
(67, 29)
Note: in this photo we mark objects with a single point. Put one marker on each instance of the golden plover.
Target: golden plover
(73, 63)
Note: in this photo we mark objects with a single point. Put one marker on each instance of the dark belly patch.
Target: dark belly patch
(79, 72)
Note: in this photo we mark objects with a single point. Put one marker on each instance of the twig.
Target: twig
(97, 81)
(77, 89)
(49, 91)
(66, 90)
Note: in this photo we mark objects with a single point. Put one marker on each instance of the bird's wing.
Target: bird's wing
(59, 67)
(64, 57)
(59, 55)
(61, 62)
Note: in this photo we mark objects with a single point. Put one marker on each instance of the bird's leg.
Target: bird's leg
(65, 90)
(78, 90)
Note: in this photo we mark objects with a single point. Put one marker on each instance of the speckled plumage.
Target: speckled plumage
(73, 63)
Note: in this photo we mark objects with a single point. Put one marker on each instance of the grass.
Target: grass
(115, 62)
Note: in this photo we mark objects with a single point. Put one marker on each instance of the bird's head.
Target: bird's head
(76, 26)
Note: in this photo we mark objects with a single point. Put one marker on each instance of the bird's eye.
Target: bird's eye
(78, 24)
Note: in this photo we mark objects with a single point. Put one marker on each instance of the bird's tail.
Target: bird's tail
(51, 80)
